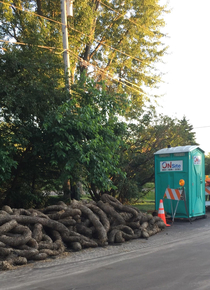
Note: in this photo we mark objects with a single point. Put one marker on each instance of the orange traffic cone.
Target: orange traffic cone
(161, 213)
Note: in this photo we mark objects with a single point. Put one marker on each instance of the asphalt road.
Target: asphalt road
(177, 258)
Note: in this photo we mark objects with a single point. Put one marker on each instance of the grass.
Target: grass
(145, 204)
(145, 207)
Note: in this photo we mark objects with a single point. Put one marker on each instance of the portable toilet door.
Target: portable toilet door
(173, 164)
(197, 182)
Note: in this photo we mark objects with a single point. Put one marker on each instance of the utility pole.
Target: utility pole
(66, 10)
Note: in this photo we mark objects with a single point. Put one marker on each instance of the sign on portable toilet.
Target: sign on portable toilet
(181, 163)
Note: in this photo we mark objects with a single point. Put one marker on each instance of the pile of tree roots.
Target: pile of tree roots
(28, 235)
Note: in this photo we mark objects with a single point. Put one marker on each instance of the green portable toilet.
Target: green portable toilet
(173, 164)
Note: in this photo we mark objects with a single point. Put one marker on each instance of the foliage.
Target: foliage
(85, 136)
(61, 138)
(119, 42)
(143, 139)
(30, 87)
(207, 164)
(49, 137)
(122, 39)
(6, 161)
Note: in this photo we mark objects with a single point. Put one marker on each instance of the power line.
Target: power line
(202, 127)
(81, 59)
(24, 43)
(126, 18)
(31, 12)
(50, 19)
(101, 42)
(110, 75)
(131, 68)
(76, 30)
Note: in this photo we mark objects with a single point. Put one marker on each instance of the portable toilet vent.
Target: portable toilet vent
(181, 163)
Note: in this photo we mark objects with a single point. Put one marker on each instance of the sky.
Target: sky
(187, 65)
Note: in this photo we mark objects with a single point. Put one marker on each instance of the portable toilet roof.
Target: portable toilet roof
(178, 149)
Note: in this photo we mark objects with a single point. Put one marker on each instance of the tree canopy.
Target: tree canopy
(49, 135)
(151, 133)
(113, 40)
(75, 139)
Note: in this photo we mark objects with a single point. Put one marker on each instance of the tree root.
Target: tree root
(102, 234)
(33, 235)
